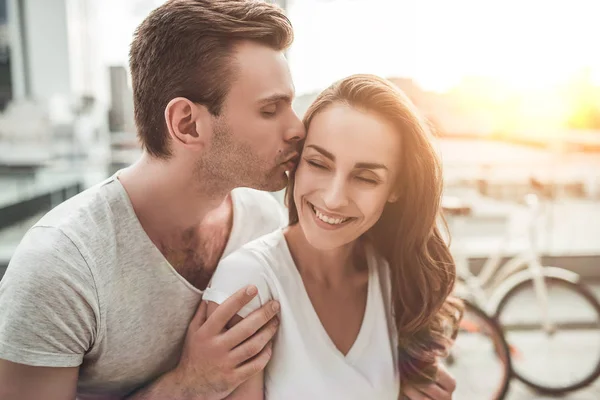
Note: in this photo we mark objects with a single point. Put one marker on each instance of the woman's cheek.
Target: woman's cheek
(308, 178)
(371, 201)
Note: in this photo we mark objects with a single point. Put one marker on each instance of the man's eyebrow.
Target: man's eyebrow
(322, 151)
(274, 98)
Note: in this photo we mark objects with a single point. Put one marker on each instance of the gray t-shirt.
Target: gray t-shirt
(87, 287)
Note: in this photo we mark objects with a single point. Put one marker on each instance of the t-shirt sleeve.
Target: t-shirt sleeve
(269, 214)
(236, 271)
(48, 302)
(282, 213)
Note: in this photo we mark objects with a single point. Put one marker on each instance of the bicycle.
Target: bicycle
(497, 289)
(479, 345)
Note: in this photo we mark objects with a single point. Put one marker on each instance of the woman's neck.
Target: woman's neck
(328, 267)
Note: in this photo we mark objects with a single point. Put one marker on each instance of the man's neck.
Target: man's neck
(197, 252)
(169, 200)
(189, 224)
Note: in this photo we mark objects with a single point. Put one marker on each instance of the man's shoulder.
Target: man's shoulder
(84, 210)
(261, 207)
(254, 195)
(255, 214)
(82, 234)
(88, 222)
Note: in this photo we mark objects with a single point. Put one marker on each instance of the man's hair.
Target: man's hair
(184, 48)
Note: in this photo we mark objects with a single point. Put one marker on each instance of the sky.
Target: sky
(521, 43)
(524, 43)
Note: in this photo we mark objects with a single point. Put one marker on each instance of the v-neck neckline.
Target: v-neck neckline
(131, 211)
(361, 340)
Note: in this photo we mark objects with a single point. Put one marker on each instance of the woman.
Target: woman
(362, 274)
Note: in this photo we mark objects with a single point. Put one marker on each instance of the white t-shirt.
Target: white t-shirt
(306, 363)
(87, 287)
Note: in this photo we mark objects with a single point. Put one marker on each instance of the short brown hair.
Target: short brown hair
(184, 49)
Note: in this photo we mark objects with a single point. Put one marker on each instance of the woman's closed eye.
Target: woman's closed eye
(367, 180)
(316, 164)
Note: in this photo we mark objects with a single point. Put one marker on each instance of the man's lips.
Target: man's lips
(293, 157)
(291, 162)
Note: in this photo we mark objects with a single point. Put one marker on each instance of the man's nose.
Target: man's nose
(295, 131)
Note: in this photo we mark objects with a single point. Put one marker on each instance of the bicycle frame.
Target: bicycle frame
(481, 287)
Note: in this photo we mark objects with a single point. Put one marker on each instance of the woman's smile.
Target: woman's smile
(328, 220)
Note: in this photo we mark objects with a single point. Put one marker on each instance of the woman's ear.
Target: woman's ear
(394, 196)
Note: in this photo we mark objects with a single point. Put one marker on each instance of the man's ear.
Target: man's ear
(188, 123)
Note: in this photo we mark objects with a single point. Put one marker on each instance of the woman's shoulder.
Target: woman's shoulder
(263, 253)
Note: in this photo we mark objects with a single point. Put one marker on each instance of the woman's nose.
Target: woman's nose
(335, 196)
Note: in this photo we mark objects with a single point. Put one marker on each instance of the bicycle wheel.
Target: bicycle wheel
(479, 359)
(565, 358)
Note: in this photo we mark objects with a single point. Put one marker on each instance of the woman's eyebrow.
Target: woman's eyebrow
(367, 165)
(359, 165)
(322, 151)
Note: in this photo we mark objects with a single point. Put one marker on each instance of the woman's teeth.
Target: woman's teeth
(329, 220)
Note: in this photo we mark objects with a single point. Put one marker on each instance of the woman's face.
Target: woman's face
(346, 175)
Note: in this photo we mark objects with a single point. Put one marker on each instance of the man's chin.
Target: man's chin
(273, 184)
(277, 183)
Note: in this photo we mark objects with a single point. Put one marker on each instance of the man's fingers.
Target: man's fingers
(444, 379)
(254, 366)
(199, 317)
(228, 309)
(410, 393)
(255, 344)
(434, 392)
(250, 325)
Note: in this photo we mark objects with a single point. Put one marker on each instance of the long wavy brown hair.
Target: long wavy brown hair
(422, 270)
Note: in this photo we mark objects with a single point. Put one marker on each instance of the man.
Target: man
(100, 300)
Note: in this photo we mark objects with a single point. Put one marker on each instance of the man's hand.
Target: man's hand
(441, 389)
(216, 360)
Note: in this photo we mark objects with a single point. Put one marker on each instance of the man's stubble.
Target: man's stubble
(231, 162)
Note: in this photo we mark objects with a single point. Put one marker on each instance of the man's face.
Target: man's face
(255, 139)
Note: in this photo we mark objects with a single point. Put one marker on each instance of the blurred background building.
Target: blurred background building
(509, 96)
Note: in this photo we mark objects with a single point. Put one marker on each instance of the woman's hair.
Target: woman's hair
(422, 270)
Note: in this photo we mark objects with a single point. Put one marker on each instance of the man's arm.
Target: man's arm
(48, 309)
(215, 361)
(23, 382)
